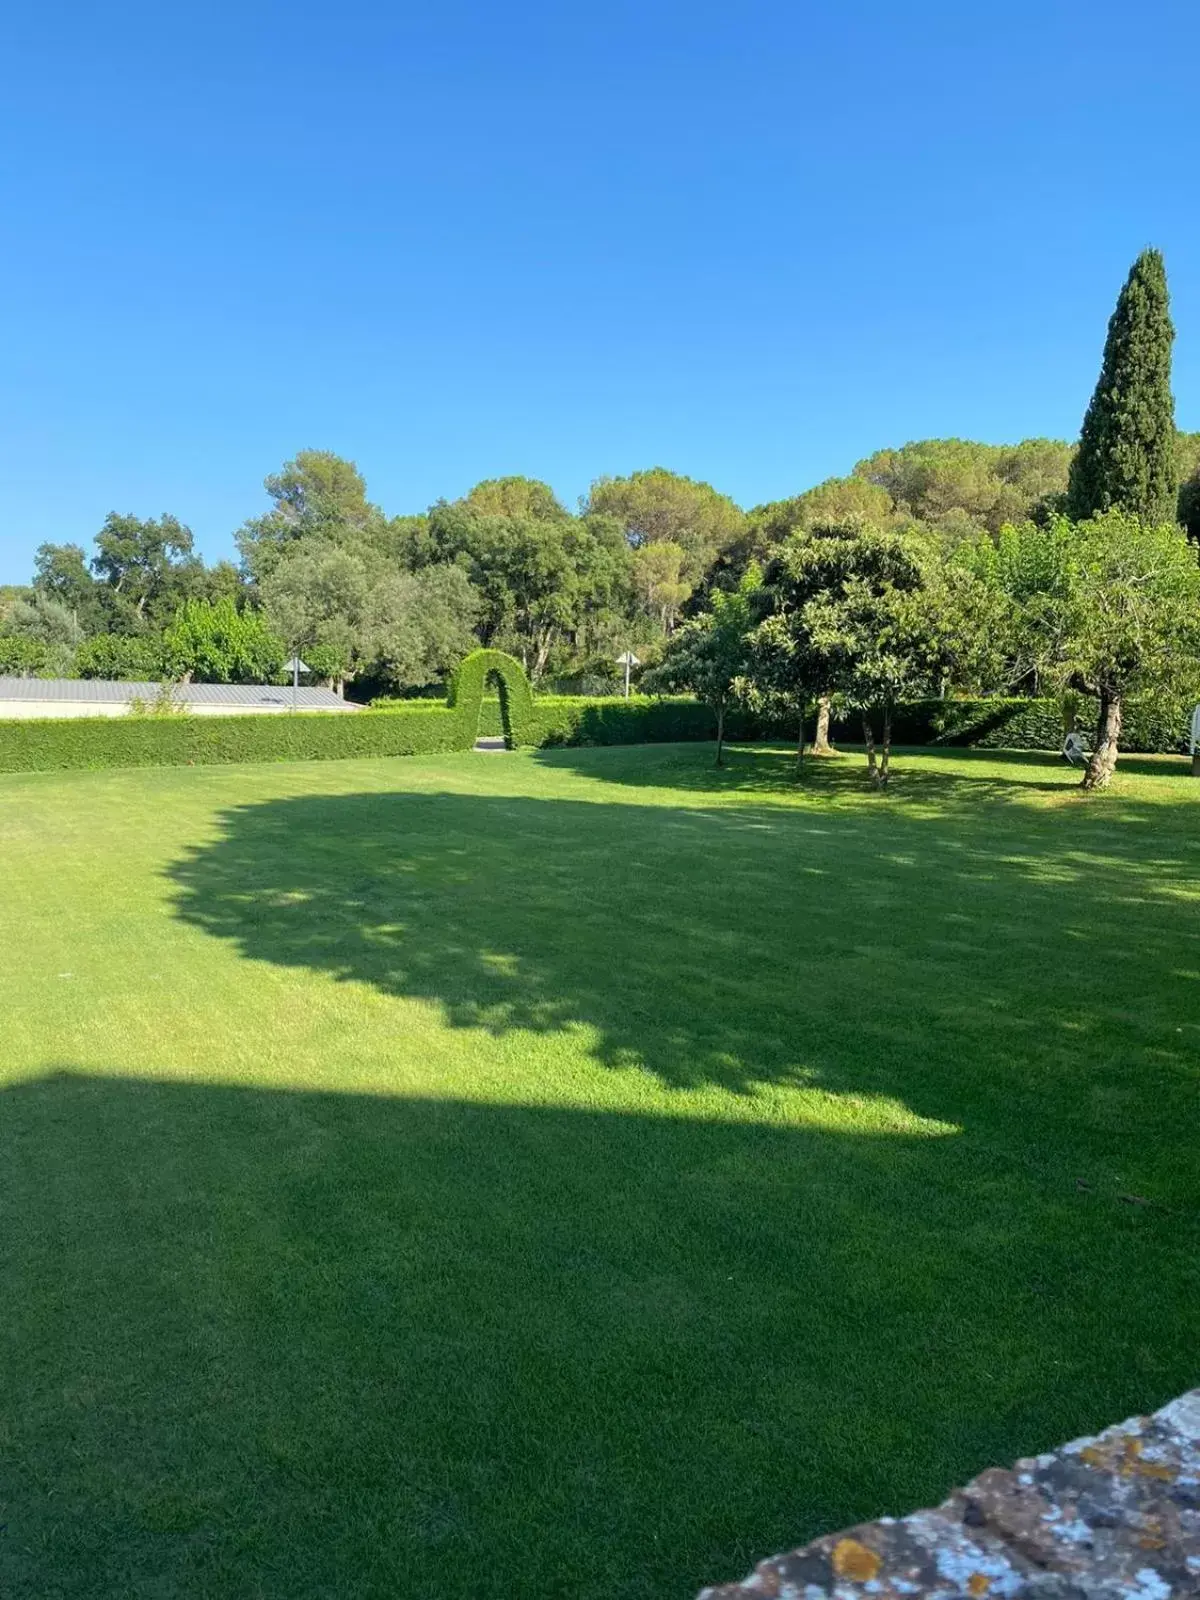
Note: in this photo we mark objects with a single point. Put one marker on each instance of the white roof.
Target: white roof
(108, 691)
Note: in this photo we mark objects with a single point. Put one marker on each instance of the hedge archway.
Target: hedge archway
(465, 696)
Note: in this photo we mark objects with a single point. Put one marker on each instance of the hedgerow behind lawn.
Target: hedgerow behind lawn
(574, 1174)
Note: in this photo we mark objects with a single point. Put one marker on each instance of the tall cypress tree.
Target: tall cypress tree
(1126, 456)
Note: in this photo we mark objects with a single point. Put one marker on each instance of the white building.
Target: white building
(102, 697)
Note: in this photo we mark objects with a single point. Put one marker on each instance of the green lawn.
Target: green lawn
(580, 1174)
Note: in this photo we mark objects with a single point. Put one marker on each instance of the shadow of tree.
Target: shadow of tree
(313, 1345)
(1026, 976)
(942, 776)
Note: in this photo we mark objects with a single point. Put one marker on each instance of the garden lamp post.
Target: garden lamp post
(627, 659)
(295, 666)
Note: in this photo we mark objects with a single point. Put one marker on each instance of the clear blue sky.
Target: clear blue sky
(752, 241)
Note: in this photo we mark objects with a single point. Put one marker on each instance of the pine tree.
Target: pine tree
(1126, 456)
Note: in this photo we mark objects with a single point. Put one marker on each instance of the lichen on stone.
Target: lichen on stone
(1111, 1517)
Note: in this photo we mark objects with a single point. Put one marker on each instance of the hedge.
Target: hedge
(465, 696)
(433, 727)
(58, 742)
(1153, 727)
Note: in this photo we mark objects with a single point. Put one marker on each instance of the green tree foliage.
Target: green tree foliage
(137, 657)
(848, 613)
(1023, 571)
(351, 612)
(1127, 450)
(317, 496)
(1187, 472)
(146, 563)
(516, 497)
(315, 597)
(21, 656)
(658, 577)
(832, 501)
(946, 490)
(215, 642)
(49, 626)
(1122, 618)
(710, 654)
(658, 507)
(61, 573)
(417, 626)
(956, 483)
(538, 578)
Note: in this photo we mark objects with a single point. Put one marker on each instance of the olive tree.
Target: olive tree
(1128, 621)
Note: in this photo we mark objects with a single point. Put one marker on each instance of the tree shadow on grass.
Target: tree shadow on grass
(1028, 976)
(939, 775)
(315, 1345)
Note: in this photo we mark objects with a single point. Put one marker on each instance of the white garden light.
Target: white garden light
(295, 666)
(627, 659)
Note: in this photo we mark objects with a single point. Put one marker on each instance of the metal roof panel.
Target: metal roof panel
(108, 691)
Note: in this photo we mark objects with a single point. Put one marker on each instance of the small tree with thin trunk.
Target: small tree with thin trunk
(708, 655)
(1128, 621)
(848, 614)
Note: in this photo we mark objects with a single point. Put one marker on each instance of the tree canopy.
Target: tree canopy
(1127, 449)
(661, 507)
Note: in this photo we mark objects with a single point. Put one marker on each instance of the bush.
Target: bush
(119, 655)
(21, 656)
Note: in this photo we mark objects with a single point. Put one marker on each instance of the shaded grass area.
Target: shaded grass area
(577, 1174)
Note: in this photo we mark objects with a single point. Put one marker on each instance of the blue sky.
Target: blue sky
(751, 241)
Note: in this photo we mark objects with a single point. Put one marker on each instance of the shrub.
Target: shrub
(216, 642)
(119, 655)
(21, 656)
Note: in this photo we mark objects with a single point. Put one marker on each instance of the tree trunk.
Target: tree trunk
(869, 741)
(821, 744)
(885, 764)
(544, 645)
(1103, 762)
(800, 743)
(720, 733)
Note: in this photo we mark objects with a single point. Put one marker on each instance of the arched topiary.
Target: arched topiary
(465, 696)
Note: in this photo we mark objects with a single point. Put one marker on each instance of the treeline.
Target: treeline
(391, 603)
(882, 594)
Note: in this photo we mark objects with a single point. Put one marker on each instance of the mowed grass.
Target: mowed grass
(575, 1175)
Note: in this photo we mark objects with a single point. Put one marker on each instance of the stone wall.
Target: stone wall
(1115, 1517)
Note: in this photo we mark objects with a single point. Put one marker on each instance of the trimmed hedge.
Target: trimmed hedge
(611, 719)
(1009, 724)
(434, 727)
(61, 742)
(465, 696)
